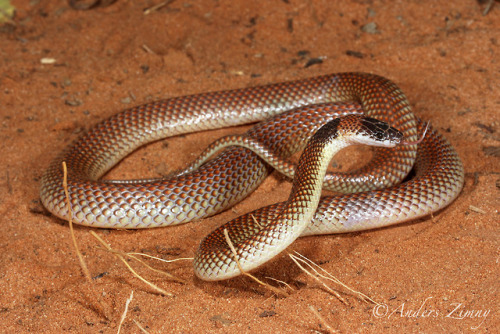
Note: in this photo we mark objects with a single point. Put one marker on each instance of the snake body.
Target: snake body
(228, 178)
(260, 241)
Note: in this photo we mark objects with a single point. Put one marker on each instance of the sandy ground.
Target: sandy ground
(433, 275)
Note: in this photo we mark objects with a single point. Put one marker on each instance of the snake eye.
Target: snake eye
(380, 135)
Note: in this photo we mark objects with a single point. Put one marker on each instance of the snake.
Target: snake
(293, 111)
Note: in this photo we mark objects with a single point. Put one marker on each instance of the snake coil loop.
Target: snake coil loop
(294, 111)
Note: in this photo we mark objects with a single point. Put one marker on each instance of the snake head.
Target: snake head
(358, 129)
(374, 132)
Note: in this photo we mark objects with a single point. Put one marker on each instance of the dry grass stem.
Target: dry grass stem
(148, 49)
(154, 8)
(322, 320)
(488, 7)
(120, 256)
(70, 222)
(124, 315)
(316, 278)
(281, 282)
(476, 209)
(235, 255)
(103, 307)
(140, 327)
(132, 256)
(256, 222)
(325, 275)
(160, 259)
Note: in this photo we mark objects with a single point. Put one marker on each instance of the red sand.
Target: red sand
(429, 273)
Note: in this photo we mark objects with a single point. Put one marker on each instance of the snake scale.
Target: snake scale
(293, 112)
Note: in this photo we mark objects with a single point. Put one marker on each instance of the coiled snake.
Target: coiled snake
(295, 110)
